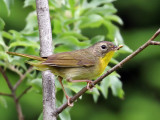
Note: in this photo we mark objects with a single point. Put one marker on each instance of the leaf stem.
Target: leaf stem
(6, 79)
(24, 92)
(22, 77)
(6, 94)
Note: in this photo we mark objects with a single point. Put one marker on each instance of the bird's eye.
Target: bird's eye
(103, 46)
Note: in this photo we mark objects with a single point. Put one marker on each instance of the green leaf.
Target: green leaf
(114, 61)
(16, 35)
(63, 48)
(32, 36)
(7, 35)
(118, 36)
(65, 115)
(71, 41)
(116, 87)
(125, 49)
(3, 102)
(2, 43)
(4, 56)
(72, 4)
(40, 116)
(104, 86)
(57, 25)
(75, 34)
(24, 43)
(114, 18)
(37, 84)
(76, 87)
(91, 21)
(19, 62)
(107, 9)
(2, 24)
(96, 94)
(95, 3)
(112, 81)
(29, 3)
(111, 30)
(97, 39)
(31, 22)
(2, 64)
(70, 21)
(8, 4)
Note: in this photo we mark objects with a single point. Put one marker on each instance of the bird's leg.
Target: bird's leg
(89, 82)
(67, 97)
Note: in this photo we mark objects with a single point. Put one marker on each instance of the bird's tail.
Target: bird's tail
(37, 64)
(27, 56)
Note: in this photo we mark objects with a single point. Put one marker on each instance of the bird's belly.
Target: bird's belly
(78, 73)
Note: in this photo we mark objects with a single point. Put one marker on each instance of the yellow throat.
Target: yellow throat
(104, 61)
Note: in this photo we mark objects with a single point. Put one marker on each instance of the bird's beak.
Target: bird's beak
(114, 47)
(117, 47)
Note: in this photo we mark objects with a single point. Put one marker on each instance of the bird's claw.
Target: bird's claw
(90, 84)
(69, 101)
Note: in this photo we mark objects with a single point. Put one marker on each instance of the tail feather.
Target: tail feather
(27, 56)
(38, 66)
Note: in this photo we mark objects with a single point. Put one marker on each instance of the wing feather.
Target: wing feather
(71, 59)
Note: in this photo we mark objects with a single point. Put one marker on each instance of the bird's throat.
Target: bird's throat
(105, 60)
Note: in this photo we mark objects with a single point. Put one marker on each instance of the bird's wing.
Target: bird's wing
(70, 59)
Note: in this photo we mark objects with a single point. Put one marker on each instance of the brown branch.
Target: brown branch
(16, 99)
(22, 77)
(6, 79)
(154, 43)
(24, 92)
(19, 110)
(6, 94)
(18, 107)
(83, 90)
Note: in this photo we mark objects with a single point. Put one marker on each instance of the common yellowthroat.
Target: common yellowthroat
(77, 66)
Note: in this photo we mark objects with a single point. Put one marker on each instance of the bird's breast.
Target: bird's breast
(104, 61)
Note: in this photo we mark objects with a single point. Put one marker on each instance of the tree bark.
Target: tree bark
(48, 80)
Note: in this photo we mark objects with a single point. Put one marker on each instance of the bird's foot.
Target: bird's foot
(69, 101)
(90, 85)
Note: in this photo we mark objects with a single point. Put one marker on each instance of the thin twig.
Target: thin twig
(24, 92)
(6, 78)
(154, 43)
(18, 107)
(6, 94)
(83, 90)
(12, 68)
(22, 77)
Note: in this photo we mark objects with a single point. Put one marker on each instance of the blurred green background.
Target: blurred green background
(140, 76)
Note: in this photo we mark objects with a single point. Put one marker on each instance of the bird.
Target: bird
(76, 66)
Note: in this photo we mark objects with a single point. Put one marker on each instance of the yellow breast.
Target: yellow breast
(104, 61)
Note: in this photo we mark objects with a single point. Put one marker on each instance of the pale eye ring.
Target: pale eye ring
(103, 46)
